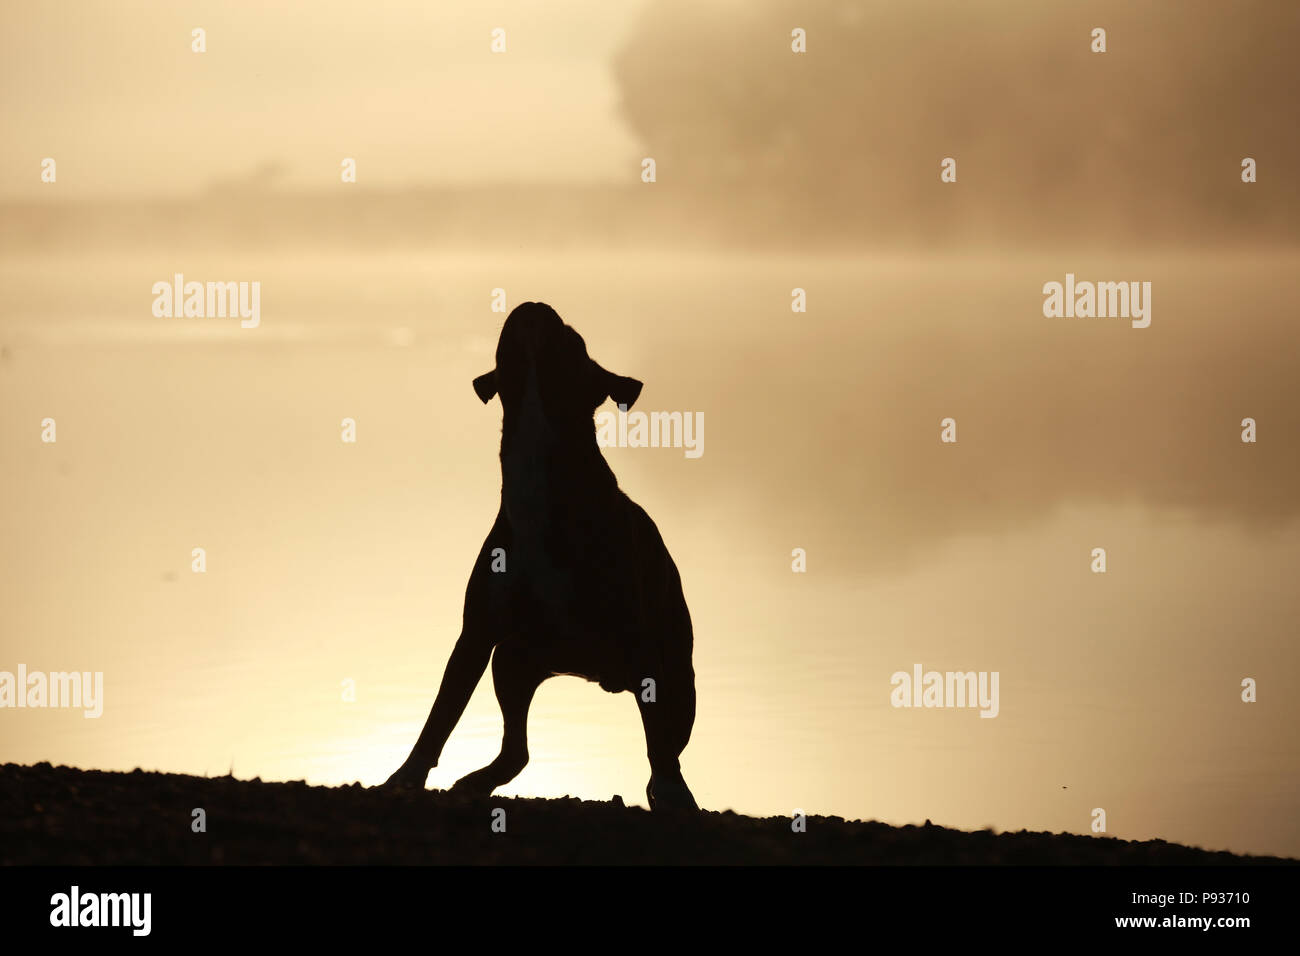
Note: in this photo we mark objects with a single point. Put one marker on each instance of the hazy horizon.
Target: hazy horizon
(329, 561)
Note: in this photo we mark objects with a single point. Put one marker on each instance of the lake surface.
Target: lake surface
(329, 562)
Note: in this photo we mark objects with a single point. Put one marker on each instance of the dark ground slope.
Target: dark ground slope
(60, 815)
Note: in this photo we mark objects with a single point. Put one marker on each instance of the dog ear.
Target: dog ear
(485, 386)
(623, 390)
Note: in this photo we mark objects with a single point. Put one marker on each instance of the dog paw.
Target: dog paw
(670, 795)
(406, 778)
(475, 784)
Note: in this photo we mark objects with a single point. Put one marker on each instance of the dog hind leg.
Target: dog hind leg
(515, 678)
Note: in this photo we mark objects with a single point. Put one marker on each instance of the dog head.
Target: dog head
(538, 353)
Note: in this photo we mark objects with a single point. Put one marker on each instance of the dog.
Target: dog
(573, 578)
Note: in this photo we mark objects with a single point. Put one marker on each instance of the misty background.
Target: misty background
(521, 171)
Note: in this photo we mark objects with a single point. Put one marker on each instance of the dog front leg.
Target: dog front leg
(667, 722)
(469, 659)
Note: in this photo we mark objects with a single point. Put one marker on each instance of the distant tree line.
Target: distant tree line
(1050, 138)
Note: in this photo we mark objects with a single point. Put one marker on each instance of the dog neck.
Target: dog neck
(545, 466)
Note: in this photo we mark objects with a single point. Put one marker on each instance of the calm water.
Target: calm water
(330, 562)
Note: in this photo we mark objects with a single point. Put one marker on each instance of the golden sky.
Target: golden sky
(330, 562)
(411, 89)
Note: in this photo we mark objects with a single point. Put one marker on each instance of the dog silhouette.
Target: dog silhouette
(573, 578)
